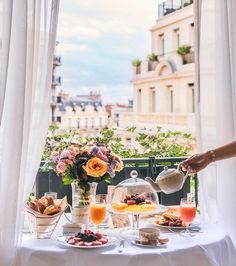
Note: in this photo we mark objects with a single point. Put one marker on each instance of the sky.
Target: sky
(98, 39)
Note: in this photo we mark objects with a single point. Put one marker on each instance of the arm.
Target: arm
(199, 161)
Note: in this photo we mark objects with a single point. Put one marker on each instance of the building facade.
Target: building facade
(82, 112)
(163, 88)
(56, 81)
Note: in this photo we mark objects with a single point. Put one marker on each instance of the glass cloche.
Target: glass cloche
(134, 196)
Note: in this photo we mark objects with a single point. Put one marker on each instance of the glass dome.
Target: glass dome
(134, 196)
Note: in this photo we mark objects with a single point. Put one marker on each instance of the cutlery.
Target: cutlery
(121, 246)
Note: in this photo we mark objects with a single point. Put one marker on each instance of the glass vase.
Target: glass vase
(80, 202)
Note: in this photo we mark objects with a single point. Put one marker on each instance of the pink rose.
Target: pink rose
(65, 155)
(61, 167)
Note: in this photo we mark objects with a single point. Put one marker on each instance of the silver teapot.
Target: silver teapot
(169, 180)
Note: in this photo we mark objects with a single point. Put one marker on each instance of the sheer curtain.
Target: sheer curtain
(28, 41)
(217, 104)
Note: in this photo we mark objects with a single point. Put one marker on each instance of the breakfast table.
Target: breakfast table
(209, 246)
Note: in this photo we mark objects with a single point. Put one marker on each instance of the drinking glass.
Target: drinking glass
(97, 210)
(188, 213)
(51, 194)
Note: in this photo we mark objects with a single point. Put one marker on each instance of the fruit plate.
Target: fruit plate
(148, 246)
(191, 226)
(111, 241)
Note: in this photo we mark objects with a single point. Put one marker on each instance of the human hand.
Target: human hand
(196, 162)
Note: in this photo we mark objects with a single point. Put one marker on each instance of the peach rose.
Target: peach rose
(95, 167)
(119, 166)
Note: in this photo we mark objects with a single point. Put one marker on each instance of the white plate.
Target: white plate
(148, 246)
(111, 241)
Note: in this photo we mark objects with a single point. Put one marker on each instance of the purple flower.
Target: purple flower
(65, 155)
(110, 170)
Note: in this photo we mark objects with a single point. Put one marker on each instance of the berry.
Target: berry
(131, 202)
(127, 196)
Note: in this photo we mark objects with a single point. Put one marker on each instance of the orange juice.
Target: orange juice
(187, 213)
(97, 213)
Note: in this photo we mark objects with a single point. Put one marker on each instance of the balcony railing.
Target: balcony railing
(49, 181)
(56, 81)
(171, 6)
(57, 61)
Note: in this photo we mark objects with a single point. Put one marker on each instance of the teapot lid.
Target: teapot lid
(166, 172)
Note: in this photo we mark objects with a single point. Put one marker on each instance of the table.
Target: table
(210, 248)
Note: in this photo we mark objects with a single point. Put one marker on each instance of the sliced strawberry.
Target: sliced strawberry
(77, 239)
(88, 244)
(128, 196)
(71, 241)
(99, 235)
(103, 240)
(81, 243)
(97, 243)
(131, 202)
(141, 196)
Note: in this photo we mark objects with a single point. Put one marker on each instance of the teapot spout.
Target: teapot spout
(154, 185)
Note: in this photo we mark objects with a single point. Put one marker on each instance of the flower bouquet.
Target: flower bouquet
(85, 165)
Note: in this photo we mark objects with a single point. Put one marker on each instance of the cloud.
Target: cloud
(98, 40)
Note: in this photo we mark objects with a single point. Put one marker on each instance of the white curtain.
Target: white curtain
(218, 109)
(28, 42)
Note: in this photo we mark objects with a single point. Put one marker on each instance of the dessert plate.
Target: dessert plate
(191, 226)
(111, 241)
(148, 246)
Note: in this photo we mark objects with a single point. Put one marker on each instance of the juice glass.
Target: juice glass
(188, 213)
(97, 210)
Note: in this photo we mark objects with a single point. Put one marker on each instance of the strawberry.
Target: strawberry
(71, 241)
(141, 196)
(88, 244)
(99, 235)
(127, 196)
(103, 240)
(131, 202)
(81, 243)
(96, 243)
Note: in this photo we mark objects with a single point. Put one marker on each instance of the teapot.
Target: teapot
(169, 180)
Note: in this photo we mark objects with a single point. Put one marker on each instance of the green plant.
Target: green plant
(160, 143)
(183, 49)
(136, 62)
(152, 57)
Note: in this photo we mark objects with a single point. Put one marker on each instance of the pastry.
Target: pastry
(52, 209)
(46, 201)
(36, 205)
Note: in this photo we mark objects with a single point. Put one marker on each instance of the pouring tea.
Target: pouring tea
(170, 180)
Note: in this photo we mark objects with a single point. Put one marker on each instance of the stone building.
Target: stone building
(163, 87)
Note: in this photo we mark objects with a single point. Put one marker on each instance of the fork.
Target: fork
(121, 246)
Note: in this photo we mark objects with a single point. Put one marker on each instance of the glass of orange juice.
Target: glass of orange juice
(188, 213)
(97, 210)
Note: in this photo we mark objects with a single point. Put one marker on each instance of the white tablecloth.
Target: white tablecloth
(212, 247)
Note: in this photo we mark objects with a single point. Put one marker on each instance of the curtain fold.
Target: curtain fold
(25, 83)
(217, 109)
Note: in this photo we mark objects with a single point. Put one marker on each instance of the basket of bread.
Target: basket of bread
(43, 215)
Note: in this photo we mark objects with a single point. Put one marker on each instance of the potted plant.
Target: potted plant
(185, 52)
(152, 61)
(137, 64)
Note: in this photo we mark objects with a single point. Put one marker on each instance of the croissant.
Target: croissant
(46, 201)
(36, 205)
(52, 209)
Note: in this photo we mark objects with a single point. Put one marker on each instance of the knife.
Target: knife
(121, 246)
